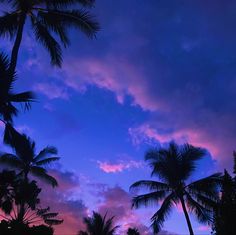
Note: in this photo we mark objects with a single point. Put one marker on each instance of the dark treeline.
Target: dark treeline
(212, 199)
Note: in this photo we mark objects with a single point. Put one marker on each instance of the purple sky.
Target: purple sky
(158, 71)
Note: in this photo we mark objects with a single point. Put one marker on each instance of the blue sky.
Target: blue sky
(157, 71)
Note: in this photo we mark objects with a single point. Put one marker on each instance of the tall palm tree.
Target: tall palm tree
(48, 18)
(7, 96)
(173, 166)
(28, 162)
(98, 225)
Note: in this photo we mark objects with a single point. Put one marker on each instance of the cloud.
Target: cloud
(118, 167)
(117, 202)
(64, 201)
(51, 90)
(165, 62)
(113, 74)
(147, 134)
(204, 228)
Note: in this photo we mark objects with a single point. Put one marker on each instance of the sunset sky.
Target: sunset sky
(158, 71)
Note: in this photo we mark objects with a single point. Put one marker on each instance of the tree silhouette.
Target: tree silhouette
(24, 193)
(133, 231)
(174, 165)
(27, 161)
(7, 96)
(98, 225)
(7, 185)
(225, 211)
(48, 18)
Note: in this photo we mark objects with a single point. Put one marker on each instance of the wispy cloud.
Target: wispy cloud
(52, 90)
(120, 166)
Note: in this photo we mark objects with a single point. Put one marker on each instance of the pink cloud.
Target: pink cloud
(113, 74)
(204, 228)
(147, 134)
(117, 202)
(62, 200)
(118, 167)
(51, 90)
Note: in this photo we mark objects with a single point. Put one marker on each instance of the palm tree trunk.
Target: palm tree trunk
(22, 205)
(15, 50)
(186, 216)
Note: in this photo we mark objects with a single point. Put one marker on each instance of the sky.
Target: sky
(157, 71)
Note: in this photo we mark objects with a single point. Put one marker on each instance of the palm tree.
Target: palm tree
(133, 231)
(7, 96)
(174, 165)
(98, 225)
(48, 18)
(27, 161)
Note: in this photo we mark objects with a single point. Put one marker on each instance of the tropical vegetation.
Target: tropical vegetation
(49, 20)
(211, 199)
(99, 225)
(173, 166)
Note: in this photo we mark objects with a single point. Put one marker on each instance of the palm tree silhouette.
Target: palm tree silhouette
(174, 165)
(7, 96)
(27, 161)
(48, 18)
(98, 225)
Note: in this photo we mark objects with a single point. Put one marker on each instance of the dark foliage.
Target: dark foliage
(7, 96)
(225, 212)
(99, 225)
(19, 200)
(25, 158)
(14, 228)
(50, 21)
(133, 231)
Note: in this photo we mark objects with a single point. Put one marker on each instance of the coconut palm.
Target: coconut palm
(7, 96)
(98, 225)
(28, 162)
(47, 18)
(173, 166)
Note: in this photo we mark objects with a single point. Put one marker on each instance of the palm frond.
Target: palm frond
(6, 79)
(49, 215)
(41, 173)
(4, 65)
(203, 215)
(8, 111)
(10, 160)
(68, 3)
(43, 36)
(55, 26)
(9, 24)
(42, 211)
(162, 214)
(47, 161)
(11, 136)
(188, 157)
(150, 185)
(53, 221)
(208, 186)
(148, 199)
(79, 19)
(27, 96)
(49, 150)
